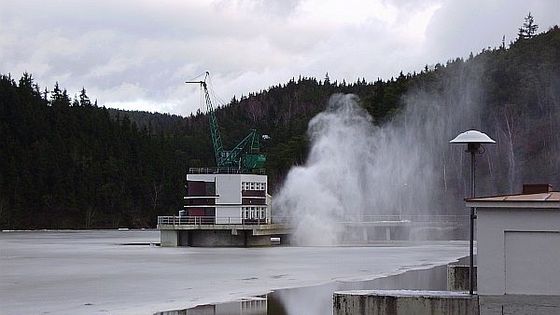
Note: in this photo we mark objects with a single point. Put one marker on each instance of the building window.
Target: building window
(253, 186)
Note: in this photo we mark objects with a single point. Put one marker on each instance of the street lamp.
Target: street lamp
(474, 140)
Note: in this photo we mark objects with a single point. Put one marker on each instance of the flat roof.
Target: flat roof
(540, 200)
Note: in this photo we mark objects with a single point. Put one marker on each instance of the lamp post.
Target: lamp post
(474, 140)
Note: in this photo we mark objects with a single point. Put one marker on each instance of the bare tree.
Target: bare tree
(3, 212)
(90, 216)
(510, 127)
(155, 194)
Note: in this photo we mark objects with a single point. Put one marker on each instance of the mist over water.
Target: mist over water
(356, 168)
(334, 183)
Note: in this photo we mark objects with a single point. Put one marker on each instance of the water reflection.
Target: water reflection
(318, 299)
(249, 306)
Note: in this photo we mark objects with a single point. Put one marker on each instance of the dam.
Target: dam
(208, 231)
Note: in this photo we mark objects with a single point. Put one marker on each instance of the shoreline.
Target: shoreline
(279, 296)
(79, 230)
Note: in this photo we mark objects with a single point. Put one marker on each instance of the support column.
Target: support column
(169, 238)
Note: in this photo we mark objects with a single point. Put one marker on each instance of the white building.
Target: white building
(228, 198)
(518, 243)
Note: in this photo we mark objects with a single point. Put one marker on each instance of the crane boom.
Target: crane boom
(244, 155)
(214, 130)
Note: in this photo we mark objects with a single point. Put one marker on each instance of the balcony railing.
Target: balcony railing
(225, 170)
(212, 220)
(209, 220)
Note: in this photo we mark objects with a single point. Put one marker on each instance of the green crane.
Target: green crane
(246, 155)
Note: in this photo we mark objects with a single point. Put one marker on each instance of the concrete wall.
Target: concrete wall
(213, 238)
(210, 178)
(518, 251)
(458, 277)
(169, 238)
(184, 238)
(401, 302)
(519, 304)
(216, 238)
(228, 215)
(228, 187)
(258, 240)
(225, 238)
(268, 208)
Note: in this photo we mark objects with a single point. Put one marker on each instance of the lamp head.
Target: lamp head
(473, 139)
(472, 136)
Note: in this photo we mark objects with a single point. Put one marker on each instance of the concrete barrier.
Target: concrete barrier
(169, 238)
(519, 304)
(401, 302)
(213, 238)
(458, 278)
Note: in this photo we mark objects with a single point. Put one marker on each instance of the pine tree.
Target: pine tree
(59, 97)
(84, 99)
(26, 81)
(45, 94)
(528, 29)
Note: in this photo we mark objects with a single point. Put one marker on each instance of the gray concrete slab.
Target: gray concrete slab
(404, 302)
(519, 305)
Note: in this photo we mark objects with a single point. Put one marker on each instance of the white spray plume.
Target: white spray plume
(331, 184)
(355, 169)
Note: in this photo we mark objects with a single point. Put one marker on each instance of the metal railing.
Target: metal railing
(423, 218)
(225, 170)
(212, 220)
(208, 220)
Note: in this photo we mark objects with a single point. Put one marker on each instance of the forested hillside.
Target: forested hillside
(67, 163)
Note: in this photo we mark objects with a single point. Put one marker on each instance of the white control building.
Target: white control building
(227, 199)
(519, 243)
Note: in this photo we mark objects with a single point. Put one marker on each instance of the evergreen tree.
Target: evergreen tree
(84, 99)
(528, 29)
(59, 98)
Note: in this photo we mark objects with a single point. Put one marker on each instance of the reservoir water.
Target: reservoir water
(122, 272)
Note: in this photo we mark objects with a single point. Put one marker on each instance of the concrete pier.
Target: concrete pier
(221, 235)
(401, 302)
(421, 227)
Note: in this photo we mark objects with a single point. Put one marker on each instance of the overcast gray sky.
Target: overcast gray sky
(136, 54)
